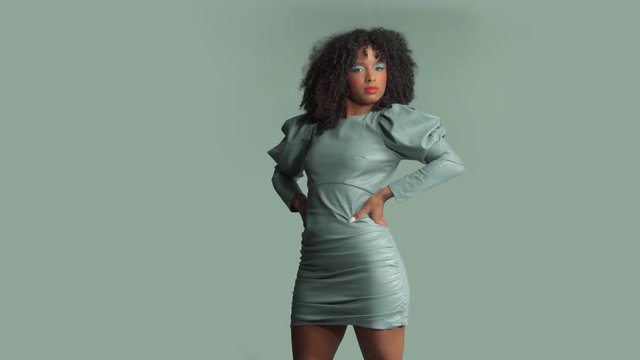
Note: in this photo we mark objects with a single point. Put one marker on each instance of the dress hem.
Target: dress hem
(370, 326)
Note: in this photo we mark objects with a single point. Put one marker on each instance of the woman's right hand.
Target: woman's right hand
(299, 204)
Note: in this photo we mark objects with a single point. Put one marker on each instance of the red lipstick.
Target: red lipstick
(371, 89)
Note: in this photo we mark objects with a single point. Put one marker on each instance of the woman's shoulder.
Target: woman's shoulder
(402, 123)
(403, 115)
(298, 127)
(299, 121)
(397, 111)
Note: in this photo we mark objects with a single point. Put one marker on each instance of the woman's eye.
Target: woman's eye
(357, 68)
(380, 67)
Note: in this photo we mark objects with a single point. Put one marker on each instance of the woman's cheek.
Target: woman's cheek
(383, 79)
(352, 83)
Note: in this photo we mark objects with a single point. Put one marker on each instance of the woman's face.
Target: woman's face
(367, 78)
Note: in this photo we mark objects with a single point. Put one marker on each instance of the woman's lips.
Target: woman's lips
(371, 89)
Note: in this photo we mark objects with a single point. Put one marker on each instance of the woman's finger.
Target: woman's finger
(362, 212)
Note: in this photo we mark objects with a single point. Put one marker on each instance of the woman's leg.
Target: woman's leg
(316, 342)
(378, 344)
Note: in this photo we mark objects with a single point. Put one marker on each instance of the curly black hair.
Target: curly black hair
(325, 85)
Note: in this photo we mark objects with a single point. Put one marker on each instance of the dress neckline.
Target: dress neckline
(359, 116)
(355, 116)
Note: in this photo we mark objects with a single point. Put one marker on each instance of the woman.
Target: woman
(356, 129)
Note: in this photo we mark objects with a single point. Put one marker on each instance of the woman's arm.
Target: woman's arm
(288, 189)
(414, 135)
(442, 164)
(289, 155)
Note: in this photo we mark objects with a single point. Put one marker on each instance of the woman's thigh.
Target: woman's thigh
(378, 344)
(316, 342)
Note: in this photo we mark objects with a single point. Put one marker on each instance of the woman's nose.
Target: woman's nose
(370, 76)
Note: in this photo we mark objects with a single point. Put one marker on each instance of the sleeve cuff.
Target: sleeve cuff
(398, 195)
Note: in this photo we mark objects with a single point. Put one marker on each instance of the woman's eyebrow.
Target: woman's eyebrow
(359, 63)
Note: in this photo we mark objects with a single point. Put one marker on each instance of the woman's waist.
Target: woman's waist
(328, 229)
(336, 197)
(339, 222)
(341, 185)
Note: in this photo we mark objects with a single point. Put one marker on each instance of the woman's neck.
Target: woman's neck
(354, 109)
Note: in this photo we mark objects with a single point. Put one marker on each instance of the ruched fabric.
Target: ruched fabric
(353, 273)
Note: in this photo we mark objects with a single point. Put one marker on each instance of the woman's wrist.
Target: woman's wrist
(297, 202)
(385, 193)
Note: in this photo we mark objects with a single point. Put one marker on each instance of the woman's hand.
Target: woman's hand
(374, 207)
(299, 204)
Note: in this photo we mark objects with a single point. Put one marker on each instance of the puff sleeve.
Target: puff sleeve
(289, 155)
(417, 136)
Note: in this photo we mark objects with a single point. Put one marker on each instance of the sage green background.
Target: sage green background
(138, 220)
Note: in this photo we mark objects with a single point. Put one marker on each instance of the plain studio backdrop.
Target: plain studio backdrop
(138, 219)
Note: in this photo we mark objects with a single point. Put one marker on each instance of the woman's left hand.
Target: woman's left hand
(374, 207)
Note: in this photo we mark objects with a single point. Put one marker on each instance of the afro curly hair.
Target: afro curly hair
(325, 85)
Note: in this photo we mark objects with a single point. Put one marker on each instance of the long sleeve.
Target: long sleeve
(289, 156)
(417, 136)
